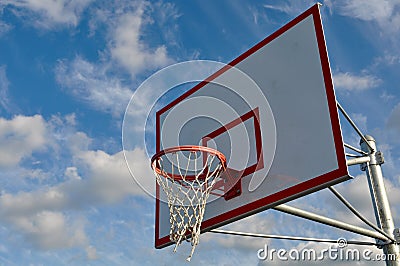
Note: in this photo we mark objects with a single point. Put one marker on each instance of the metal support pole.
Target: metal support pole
(329, 221)
(296, 238)
(380, 201)
(358, 160)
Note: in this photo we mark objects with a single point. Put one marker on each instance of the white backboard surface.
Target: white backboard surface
(272, 112)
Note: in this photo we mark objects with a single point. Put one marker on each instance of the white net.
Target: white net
(187, 178)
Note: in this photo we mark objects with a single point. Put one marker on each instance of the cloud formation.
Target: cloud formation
(47, 14)
(4, 98)
(95, 83)
(393, 121)
(350, 82)
(92, 84)
(20, 137)
(129, 49)
(46, 216)
(49, 230)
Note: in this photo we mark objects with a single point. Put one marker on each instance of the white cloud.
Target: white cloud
(129, 26)
(393, 193)
(128, 47)
(394, 119)
(49, 230)
(4, 83)
(48, 13)
(292, 8)
(388, 59)
(386, 97)
(91, 253)
(384, 12)
(371, 10)
(19, 137)
(72, 173)
(285, 8)
(350, 82)
(84, 169)
(108, 179)
(378, 22)
(45, 215)
(4, 28)
(26, 204)
(64, 136)
(33, 216)
(92, 84)
(257, 14)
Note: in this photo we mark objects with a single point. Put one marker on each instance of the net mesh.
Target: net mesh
(187, 178)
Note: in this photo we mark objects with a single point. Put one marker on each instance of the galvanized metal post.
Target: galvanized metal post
(379, 198)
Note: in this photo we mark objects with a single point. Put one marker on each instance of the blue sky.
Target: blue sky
(67, 71)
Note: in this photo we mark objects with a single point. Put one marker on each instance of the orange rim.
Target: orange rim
(190, 148)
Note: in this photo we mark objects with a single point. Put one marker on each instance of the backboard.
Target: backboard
(272, 113)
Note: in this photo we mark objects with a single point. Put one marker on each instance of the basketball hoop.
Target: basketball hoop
(187, 175)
